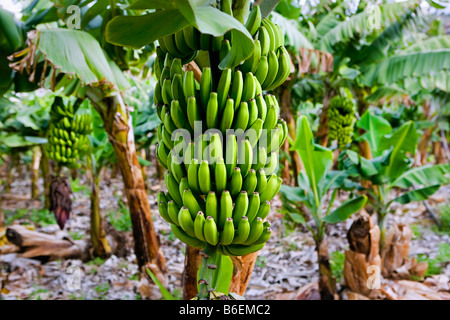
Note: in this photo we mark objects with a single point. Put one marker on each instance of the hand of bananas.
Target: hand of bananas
(222, 172)
(67, 133)
(341, 120)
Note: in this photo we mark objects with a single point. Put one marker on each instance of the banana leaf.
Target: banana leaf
(417, 194)
(346, 210)
(402, 141)
(424, 176)
(78, 53)
(376, 127)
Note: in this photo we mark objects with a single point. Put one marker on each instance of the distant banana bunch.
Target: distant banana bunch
(67, 133)
(221, 167)
(341, 120)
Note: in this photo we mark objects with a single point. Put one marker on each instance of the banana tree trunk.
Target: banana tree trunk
(45, 168)
(100, 245)
(35, 172)
(327, 283)
(118, 125)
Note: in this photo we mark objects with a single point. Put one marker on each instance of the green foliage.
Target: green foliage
(315, 181)
(120, 219)
(42, 217)
(337, 260)
(435, 265)
(444, 217)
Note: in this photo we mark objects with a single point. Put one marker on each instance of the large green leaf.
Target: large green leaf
(424, 176)
(376, 127)
(417, 194)
(78, 53)
(402, 141)
(407, 64)
(316, 159)
(333, 179)
(164, 292)
(138, 31)
(294, 194)
(346, 210)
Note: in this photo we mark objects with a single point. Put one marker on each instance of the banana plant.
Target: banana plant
(316, 181)
(391, 166)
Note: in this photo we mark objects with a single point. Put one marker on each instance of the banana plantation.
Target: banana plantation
(224, 150)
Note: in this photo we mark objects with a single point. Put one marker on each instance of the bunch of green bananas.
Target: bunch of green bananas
(270, 61)
(341, 120)
(67, 133)
(221, 177)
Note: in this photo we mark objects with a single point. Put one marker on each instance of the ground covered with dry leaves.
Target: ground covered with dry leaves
(287, 262)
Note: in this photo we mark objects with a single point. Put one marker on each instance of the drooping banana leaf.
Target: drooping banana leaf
(417, 194)
(344, 211)
(424, 176)
(78, 53)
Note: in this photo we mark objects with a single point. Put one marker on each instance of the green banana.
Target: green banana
(250, 182)
(223, 88)
(176, 67)
(166, 92)
(226, 208)
(177, 115)
(240, 207)
(199, 224)
(189, 84)
(256, 230)
(263, 69)
(193, 112)
(204, 177)
(181, 44)
(261, 181)
(253, 206)
(271, 188)
(284, 68)
(237, 87)
(264, 39)
(220, 175)
(242, 231)
(212, 110)
(177, 91)
(271, 118)
(212, 206)
(227, 116)
(245, 157)
(186, 222)
(251, 64)
(254, 20)
(252, 112)
(192, 176)
(231, 154)
(205, 86)
(235, 185)
(172, 211)
(272, 164)
(263, 210)
(264, 237)
(249, 90)
(192, 37)
(210, 231)
(272, 62)
(273, 42)
(191, 203)
(185, 238)
(227, 234)
(172, 188)
(242, 116)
